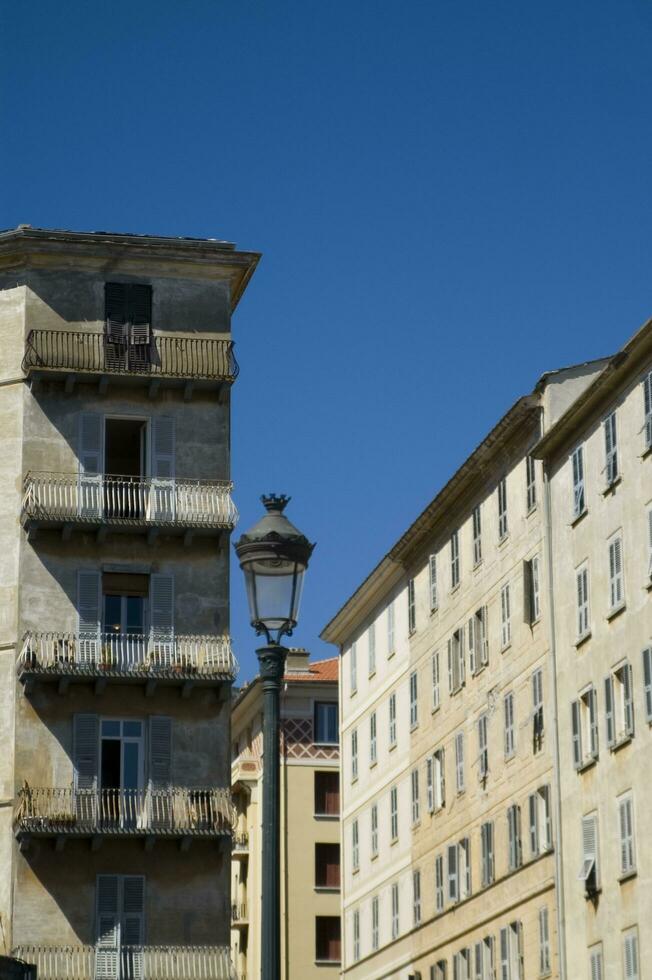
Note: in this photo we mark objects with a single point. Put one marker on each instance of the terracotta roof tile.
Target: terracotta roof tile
(319, 670)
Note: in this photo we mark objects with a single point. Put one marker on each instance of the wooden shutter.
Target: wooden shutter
(589, 850)
(504, 954)
(439, 882)
(460, 656)
(86, 736)
(647, 680)
(630, 951)
(162, 617)
(453, 892)
(609, 710)
(593, 716)
(450, 666)
(107, 931)
(91, 426)
(160, 751)
(88, 612)
(484, 636)
(528, 593)
(472, 646)
(628, 699)
(459, 761)
(596, 964)
(534, 823)
(577, 734)
(163, 446)
(132, 926)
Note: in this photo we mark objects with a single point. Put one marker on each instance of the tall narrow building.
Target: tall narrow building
(116, 366)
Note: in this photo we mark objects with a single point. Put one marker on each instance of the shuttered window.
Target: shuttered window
(531, 591)
(630, 955)
(647, 681)
(373, 742)
(579, 495)
(88, 611)
(395, 911)
(430, 788)
(483, 748)
(619, 705)
(649, 544)
(354, 755)
(590, 870)
(393, 813)
(355, 846)
(119, 923)
(453, 873)
(583, 620)
(626, 826)
(353, 665)
(439, 778)
(371, 648)
(356, 935)
(477, 640)
(515, 850)
(459, 762)
(432, 571)
(544, 942)
(436, 694)
(414, 781)
(412, 607)
(510, 729)
(487, 852)
(537, 710)
(511, 952)
(505, 617)
(392, 720)
(584, 723)
(464, 867)
(616, 578)
(611, 448)
(86, 736)
(596, 962)
(477, 535)
(416, 897)
(439, 971)
(375, 922)
(456, 664)
(502, 509)
(327, 865)
(530, 484)
(374, 830)
(540, 821)
(390, 629)
(414, 699)
(162, 617)
(455, 559)
(439, 883)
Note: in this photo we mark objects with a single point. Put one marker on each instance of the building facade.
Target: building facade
(598, 468)
(116, 365)
(309, 824)
(452, 826)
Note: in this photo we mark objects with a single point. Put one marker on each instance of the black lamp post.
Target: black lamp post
(273, 555)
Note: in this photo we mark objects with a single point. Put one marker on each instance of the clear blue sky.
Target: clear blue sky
(451, 197)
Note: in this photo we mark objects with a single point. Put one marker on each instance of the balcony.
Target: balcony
(70, 501)
(129, 962)
(104, 658)
(239, 919)
(177, 813)
(163, 360)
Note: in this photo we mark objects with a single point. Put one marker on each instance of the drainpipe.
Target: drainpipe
(559, 879)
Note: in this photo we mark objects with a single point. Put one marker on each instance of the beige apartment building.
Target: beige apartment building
(598, 470)
(309, 822)
(463, 813)
(116, 366)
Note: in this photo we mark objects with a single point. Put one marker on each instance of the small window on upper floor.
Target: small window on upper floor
(455, 559)
(502, 510)
(612, 464)
(326, 723)
(579, 493)
(530, 484)
(128, 317)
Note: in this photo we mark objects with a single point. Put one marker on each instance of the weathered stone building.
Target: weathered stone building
(116, 364)
(309, 822)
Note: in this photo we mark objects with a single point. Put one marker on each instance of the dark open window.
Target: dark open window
(128, 317)
(328, 942)
(327, 865)
(327, 793)
(326, 723)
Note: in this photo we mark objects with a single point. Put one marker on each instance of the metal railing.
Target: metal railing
(174, 811)
(93, 499)
(107, 654)
(129, 962)
(191, 358)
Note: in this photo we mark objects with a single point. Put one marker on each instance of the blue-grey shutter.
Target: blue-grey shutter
(473, 660)
(548, 812)
(504, 954)
(609, 710)
(107, 931)
(577, 734)
(534, 824)
(647, 676)
(163, 467)
(86, 744)
(593, 696)
(90, 451)
(88, 612)
(133, 912)
(160, 751)
(453, 891)
(162, 617)
(628, 699)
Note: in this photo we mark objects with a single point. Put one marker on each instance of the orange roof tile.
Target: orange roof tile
(319, 670)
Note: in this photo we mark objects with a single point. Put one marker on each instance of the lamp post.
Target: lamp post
(273, 555)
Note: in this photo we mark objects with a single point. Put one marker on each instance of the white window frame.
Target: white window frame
(459, 762)
(611, 465)
(590, 841)
(371, 649)
(545, 964)
(455, 559)
(505, 617)
(509, 712)
(414, 700)
(392, 719)
(416, 802)
(584, 728)
(483, 747)
(393, 814)
(583, 601)
(540, 818)
(530, 484)
(432, 582)
(627, 834)
(436, 688)
(412, 606)
(477, 535)
(538, 716)
(395, 911)
(439, 778)
(354, 755)
(579, 487)
(355, 847)
(616, 573)
(416, 897)
(373, 817)
(619, 705)
(373, 739)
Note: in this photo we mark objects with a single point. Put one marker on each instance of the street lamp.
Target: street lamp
(273, 555)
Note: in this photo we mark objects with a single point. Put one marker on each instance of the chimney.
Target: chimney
(297, 661)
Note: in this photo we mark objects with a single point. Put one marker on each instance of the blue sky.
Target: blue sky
(451, 197)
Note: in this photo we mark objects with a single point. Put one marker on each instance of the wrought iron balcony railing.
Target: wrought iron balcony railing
(60, 499)
(46, 811)
(114, 655)
(93, 353)
(129, 962)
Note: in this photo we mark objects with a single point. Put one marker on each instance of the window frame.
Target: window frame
(477, 535)
(530, 484)
(354, 755)
(505, 617)
(412, 606)
(373, 739)
(627, 835)
(616, 568)
(578, 482)
(503, 525)
(612, 461)
(582, 593)
(509, 726)
(455, 559)
(414, 699)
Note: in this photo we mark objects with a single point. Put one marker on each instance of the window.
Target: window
(515, 849)
(510, 730)
(120, 902)
(579, 495)
(392, 720)
(649, 544)
(611, 448)
(478, 642)
(327, 865)
(502, 509)
(414, 700)
(459, 762)
(355, 846)
(416, 897)
(619, 705)
(596, 961)
(487, 852)
(647, 682)
(584, 723)
(484, 959)
(393, 813)
(128, 317)
(505, 618)
(455, 559)
(616, 582)
(590, 870)
(647, 403)
(453, 876)
(432, 568)
(430, 789)
(327, 794)
(477, 535)
(544, 942)
(537, 710)
(354, 755)
(583, 620)
(412, 609)
(326, 723)
(121, 763)
(438, 971)
(630, 955)
(483, 748)
(356, 935)
(456, 666)
(435, 681)
(374, 830)
(511, 952)
(531, 590)
(373, 745)
(395, 911)
(540, 821)
(530, 484)
(464, 867)
(371, 648)
(390, 629)
(439, 777)
(375, 923)
(328, 942)
(414, 780)
(626, 824)
(439, 883)
(462, 964)
(354, 668)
